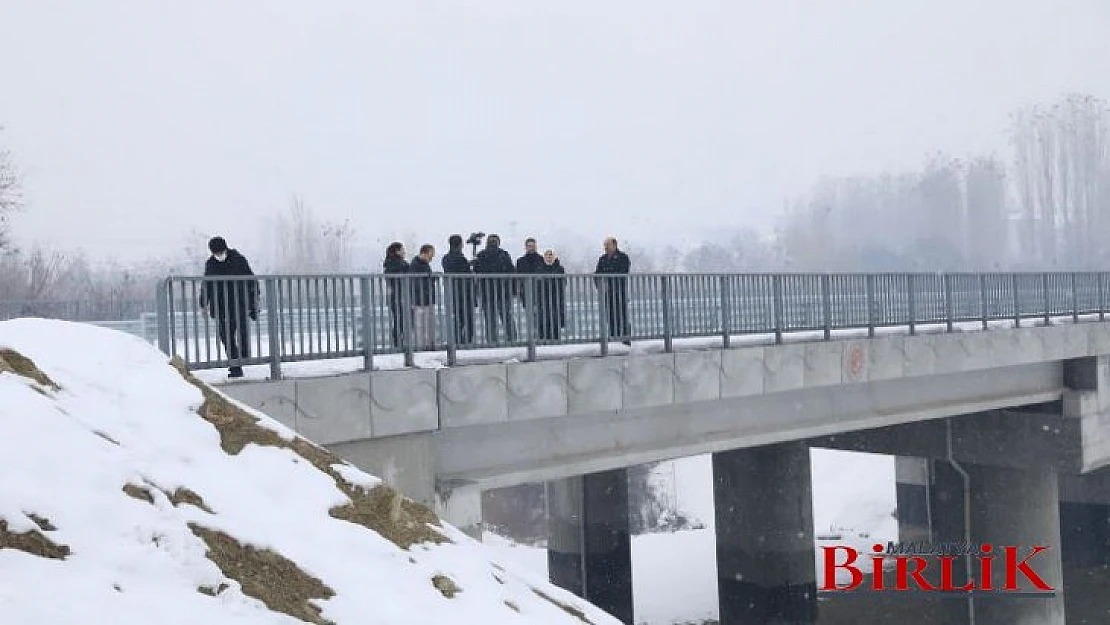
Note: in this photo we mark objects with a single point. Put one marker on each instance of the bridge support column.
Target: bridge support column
(764, 522)
(912, 491)
(460, 504)
(589, 551)
(1008, 507)
(1085, 533)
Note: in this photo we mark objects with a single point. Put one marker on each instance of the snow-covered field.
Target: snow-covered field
(675, 574)
(131, 496)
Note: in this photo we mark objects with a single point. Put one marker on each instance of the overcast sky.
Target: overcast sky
(136, 121)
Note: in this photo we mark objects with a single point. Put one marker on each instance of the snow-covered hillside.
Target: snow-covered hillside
(134, 494)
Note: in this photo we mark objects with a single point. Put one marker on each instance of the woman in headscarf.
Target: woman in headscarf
(551, 300)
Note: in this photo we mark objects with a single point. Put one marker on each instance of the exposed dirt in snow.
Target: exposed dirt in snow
(266, 575)
(13, 361)
(33, 542)
(380, 509)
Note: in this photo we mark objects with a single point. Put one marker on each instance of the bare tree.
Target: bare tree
(10, 197)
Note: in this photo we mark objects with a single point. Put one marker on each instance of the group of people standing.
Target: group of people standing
(543, 297)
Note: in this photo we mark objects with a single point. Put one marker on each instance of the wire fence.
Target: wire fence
(236, 321)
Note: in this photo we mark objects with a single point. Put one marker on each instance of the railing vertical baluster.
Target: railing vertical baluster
(776, 287)
(1074, 300)
(272, 312)
(826, 306)
(406, 285)
(450, 283)
(1015, 285)
(366, 310)
(726, 311)
(949, 317)
(665, 296)
(1044, 293)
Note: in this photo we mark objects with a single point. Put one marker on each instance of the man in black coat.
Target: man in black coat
(423, 298)
(461, 285)
(530, 263)
(230, 302)
(393, 266)
(615, 264)
(496, 293)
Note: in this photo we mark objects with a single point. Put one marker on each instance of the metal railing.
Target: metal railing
(280, 319)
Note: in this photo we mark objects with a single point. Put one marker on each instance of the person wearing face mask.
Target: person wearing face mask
(230, 302)
(551, 297)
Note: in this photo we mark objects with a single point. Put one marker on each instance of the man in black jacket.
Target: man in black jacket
(461, 285)
(423, 299)
(496, 293)
(530, 263)
(616, 264)
(230, 302)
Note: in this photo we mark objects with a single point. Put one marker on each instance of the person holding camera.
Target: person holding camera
(230, 302)
(496, 294)
(461, 286)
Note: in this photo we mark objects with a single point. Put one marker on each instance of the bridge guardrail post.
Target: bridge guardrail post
(1074, 300)
(530, 316)
(603, 315)
(911, 303)
(1044, 293)
(272, 312)
(826, 306)
(1017, 299)
(776, 288)
(1101, 299)
(162, 305)
(983, 299)
(726, 313)
(407, 342)
(871, 305)
(949, 317)
(450, 284)
(366, 310)
(668, 329)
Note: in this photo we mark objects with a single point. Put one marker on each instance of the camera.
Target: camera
(475, 238)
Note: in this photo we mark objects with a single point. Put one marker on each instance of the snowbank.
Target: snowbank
(135, 495)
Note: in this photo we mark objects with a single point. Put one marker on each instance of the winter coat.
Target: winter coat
(551, 292)
(423, 289)
(494, 260)
(393, 266)
(463, 289)
(616, 263)
(531, 262)
(226, 298)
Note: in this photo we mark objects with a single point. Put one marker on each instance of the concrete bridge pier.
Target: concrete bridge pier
(912, 491)
(1008, 507)
(764, 522)
(589, 549)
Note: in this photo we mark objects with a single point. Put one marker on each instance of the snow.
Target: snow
(674, 575)
(124, 416)
(438, 359)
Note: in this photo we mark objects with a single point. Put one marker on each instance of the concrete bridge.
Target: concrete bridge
(1008, 426)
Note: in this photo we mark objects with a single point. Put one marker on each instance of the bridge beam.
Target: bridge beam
(589, 550)
(764, 524)
(911, 477)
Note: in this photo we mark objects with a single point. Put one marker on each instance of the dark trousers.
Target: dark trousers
(617, 302)
(235, 335)
(397, 331)
(549, 323)
(495, 307)
(464, 322)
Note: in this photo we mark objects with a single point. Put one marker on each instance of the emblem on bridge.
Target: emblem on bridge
(855, 362)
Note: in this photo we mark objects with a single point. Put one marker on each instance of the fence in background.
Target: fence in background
(281, 319)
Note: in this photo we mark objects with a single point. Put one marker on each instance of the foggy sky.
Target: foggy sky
(134, 121)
